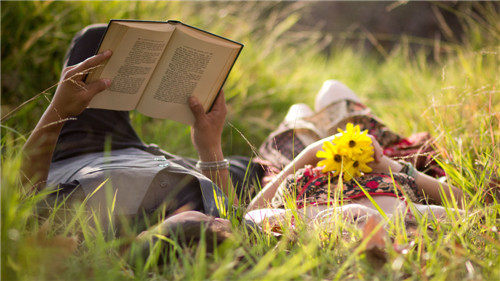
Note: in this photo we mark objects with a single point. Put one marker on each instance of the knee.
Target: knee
(298, 111)
(351, 213)
(331, 92)
(354, 211)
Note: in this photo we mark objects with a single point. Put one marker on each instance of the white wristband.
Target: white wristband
(215, 165)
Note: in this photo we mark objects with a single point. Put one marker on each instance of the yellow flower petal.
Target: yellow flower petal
(324, 154)
(348, 154)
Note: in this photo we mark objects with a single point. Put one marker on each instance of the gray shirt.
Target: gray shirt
(127, 181)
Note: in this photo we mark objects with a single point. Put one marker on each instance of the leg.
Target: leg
(302, 126)
(93, 129)
(292, 136)
(336, 105)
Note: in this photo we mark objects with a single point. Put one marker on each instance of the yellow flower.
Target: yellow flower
(350, 153)
(361, 161)
(333, 160)
(353, 140)
(349, 170)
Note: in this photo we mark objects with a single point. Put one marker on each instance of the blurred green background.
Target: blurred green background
(446, 82)
(288, 53)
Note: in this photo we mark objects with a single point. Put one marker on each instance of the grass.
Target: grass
(452, 93)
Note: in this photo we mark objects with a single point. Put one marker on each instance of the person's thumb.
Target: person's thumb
(196, 108)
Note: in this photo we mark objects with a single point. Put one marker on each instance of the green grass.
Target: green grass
(454, 94)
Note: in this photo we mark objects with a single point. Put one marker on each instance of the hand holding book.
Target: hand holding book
(206, 132)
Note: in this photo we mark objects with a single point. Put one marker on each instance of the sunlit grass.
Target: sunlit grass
(453, 94)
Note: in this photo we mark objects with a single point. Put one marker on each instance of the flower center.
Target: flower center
(355, 164)
(352, 143)
(337, 158)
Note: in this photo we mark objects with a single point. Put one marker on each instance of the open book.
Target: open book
(156, 66)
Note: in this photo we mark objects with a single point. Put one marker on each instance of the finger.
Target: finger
(196, 108)
(89, 63)
(377, 156)
(377, 150)
(97, 86)
(219, 109)
(220, 102)
(220, 98)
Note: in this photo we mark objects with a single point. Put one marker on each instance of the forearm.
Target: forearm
(438, 190)
(426, 184)
(263, 198)
(219, 176)
(38, 150)
(70, 99)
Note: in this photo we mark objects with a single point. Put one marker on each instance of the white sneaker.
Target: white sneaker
(333, 91)
(298, 111)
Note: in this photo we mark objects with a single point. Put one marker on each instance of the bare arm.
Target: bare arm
(70, 99)
(263, 198)
(426, 184)
(206, 135)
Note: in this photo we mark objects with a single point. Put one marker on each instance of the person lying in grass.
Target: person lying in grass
(95, 156)
(352, 161)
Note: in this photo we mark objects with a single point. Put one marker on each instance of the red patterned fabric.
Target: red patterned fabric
(310, 186)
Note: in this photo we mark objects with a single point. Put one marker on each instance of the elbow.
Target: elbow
(32, 184)
(255, 204)
(251, 206)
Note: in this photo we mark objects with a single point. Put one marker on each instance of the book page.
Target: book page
(113, 36)
(130, 67)
(188, 67)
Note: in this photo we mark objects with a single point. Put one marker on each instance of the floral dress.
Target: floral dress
(310, 186)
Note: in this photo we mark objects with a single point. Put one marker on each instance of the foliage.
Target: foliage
(450, 90)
